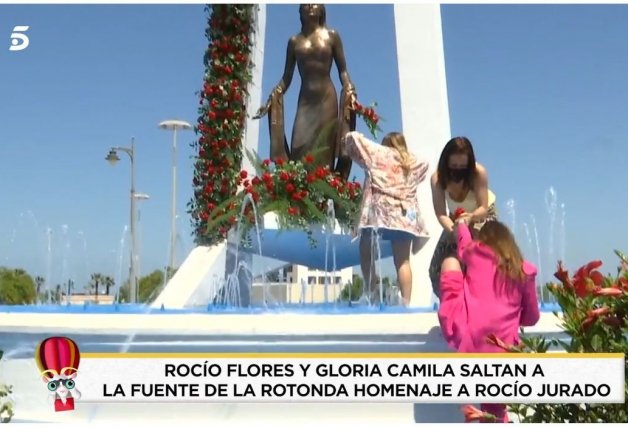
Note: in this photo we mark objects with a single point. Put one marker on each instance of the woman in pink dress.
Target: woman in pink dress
(495, 295)
(389, 206)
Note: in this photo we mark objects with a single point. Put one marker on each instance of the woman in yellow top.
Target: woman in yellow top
(458, 183)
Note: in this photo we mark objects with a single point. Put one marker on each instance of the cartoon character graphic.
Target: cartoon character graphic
(58, 360)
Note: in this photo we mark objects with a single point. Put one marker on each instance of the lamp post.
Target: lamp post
(113, 158)
(138, 250)
(174, 125)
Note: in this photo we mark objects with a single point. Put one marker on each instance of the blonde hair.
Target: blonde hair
(498, 237)
(397, 141)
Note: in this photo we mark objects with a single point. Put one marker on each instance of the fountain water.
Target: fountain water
(551, 207)
(526, 230)
(538, 252)
(48, 285)
(329, 232)
(562, 233)
(65, 254)
(510, 209)
(120, 263)
(230, 293)
(87, 267)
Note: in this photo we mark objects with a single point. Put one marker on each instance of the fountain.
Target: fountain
(207, 304)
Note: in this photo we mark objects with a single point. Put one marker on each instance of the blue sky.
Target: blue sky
(539, 89)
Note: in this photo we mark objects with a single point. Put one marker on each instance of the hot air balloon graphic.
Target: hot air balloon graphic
(58, 360)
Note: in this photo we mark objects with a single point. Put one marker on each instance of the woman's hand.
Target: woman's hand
(465, 218)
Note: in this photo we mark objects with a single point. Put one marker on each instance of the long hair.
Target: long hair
(397, 141)
(456, 146)
(322, 18)
(498, 237)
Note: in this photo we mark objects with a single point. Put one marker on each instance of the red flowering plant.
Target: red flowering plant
(296, 191)
(369, 116)
(473, 414)
(222, 115)
(593, 316)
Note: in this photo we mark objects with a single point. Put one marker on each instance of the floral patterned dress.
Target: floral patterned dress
(389, 202)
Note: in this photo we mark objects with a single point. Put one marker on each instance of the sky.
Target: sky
(539, 89)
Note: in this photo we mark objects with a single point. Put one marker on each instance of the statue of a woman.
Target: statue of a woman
(318, 123)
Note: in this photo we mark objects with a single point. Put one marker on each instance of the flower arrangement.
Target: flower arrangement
(222, 114)
(296, 191)
(370, 117)
(220, 130)
(594, 309)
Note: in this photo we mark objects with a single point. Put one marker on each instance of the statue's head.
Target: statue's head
(314, 12)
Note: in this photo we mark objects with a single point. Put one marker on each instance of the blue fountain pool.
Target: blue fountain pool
(309, 309)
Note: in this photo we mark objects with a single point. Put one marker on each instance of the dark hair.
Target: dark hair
(322, 19)
(456, 146)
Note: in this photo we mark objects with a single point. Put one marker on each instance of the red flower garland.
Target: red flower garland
(222, 116)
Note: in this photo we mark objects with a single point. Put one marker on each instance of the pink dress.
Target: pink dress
(483, 302)
(390, 198)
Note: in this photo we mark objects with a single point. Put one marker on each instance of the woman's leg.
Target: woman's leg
(445, 247)
(367, 261)
(451, 312)
(401, 257)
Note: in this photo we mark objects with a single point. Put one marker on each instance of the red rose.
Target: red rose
(459, 211)
(243, 174)
(309, 158)
(279, 162)
(290, 188)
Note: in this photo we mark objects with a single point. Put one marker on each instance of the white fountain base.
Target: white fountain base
(210, 324)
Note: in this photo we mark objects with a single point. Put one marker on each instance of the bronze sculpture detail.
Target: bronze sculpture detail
(319, 114)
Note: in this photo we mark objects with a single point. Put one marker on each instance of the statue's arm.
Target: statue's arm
(286, 78)
(288, 71)
(341, 62)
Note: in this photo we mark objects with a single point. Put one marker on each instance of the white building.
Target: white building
(299, 284)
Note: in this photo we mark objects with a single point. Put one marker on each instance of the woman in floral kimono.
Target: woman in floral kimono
(389, 206)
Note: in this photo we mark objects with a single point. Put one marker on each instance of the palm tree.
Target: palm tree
(70, 288)
(39, 282)
(108, 282)
(95, 282)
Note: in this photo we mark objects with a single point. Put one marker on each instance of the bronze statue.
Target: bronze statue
(313, 50)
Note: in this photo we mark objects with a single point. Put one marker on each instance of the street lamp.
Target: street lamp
(113, 158)
(138, 250)
(174, 125)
